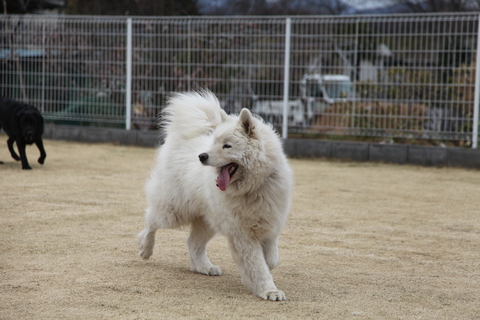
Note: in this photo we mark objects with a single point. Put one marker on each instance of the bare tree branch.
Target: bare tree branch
(441, 5)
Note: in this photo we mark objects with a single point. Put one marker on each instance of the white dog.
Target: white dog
(220, 174)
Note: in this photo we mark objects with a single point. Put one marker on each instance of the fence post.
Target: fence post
(476, 100)
(189, 63)
(128, 85)
(286, 78)
(355, 64)
(44, 56)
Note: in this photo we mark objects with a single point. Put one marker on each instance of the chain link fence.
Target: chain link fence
(400, 76)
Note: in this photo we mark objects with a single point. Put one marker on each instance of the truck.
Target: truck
(317, 93)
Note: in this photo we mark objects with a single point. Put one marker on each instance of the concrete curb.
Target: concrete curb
(374, 152)
(300, 148)
(95, 134)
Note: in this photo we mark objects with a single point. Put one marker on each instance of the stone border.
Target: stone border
(388, 153)
(97, 134)
(300, 148)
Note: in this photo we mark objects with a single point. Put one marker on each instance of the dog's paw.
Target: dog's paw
(145, 249)
(273, 295)
(41, 160)
(145, 253)
(215, 271)
(27, 168)
(209, 271)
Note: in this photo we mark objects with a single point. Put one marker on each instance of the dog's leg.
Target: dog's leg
(10, 142)
(249, 256)
(1, 162)
(201, 233)
(147, 236)
(146, 243)
(157, 217)
(270, 252)
(240, 264)
(23, 155)
(43, 154)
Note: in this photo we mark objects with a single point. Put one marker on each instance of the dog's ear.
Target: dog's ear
(223, 115)
(247, 123)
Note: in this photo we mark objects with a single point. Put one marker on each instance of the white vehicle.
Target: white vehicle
(317, 93)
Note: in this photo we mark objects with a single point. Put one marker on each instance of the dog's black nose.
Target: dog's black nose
(203, 157)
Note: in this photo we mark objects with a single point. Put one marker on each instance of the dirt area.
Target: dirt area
(364, 241)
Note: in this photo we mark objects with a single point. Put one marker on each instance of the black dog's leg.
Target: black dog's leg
(1, 162)
(10, 142)
(43, 154)
(23, 155)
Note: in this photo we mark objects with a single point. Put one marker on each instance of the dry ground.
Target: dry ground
(364, 241)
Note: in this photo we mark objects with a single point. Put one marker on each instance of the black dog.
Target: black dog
(23, 123)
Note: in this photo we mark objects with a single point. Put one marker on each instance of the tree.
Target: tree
(273, 7)
(133, 7)
(441, 5)
(28, 6)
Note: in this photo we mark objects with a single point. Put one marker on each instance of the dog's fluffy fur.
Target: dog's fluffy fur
(23, 124)
(220, 174)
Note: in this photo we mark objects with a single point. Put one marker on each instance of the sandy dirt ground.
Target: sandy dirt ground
(364, 241)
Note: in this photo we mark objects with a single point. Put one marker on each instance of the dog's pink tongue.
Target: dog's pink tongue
(223, 178)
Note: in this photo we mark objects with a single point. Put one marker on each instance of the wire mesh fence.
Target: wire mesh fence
(408, 76)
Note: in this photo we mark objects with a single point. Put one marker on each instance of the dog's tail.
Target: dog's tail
(192, 114)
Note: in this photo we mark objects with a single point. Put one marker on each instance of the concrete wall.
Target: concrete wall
(397, 153)
(301, 148)
(93, 134)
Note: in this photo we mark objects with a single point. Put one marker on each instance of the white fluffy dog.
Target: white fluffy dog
(220, 174)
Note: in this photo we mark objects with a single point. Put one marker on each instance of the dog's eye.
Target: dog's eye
(226, 146)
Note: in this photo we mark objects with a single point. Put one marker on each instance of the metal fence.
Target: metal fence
(402, 76)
